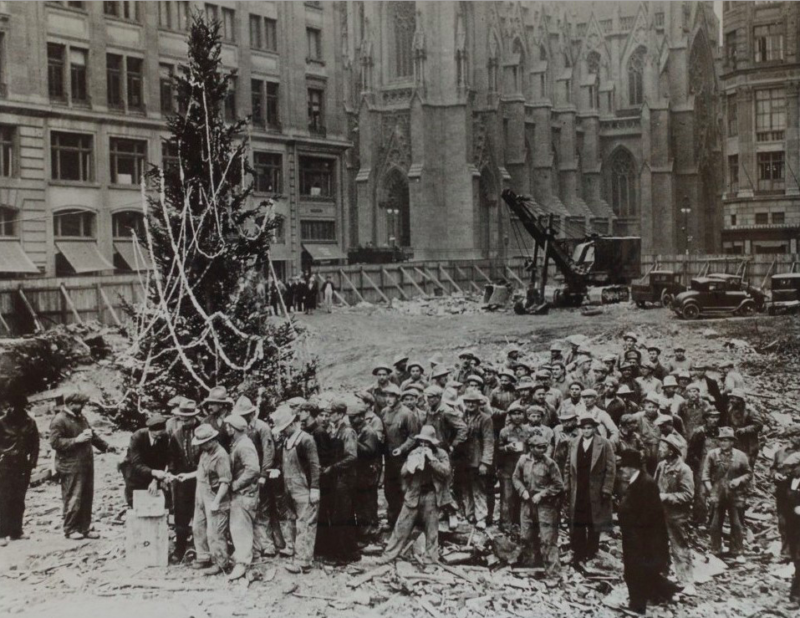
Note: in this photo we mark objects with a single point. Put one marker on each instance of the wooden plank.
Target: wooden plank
(102, 294)
(394, 282)
(434, 279)
(428, 277)
(4, 323)
(36, 323)
(514, 275)
(341, 298)
(443, 271)
(352, 285)
(414, 282)
(471, 282)
(483, 274)
(375, 287)
(70, 304)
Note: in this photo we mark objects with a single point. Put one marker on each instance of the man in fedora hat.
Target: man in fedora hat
(726, 473)
(212, 503)
(627, 378)
(383, 373)
(416, 375)
(369, 465)
(401, 373)
(666, 425)
(538, 483)
(676, 489)
(425, 474)
(746, 424)
(244, 494)
(370, 417)
(469, 364)
(591, 471)
(605, 426)
(477, 461)
(300, 468)
(266, 522)
(401, 425)
(146, 463)
(440, 376)
(217, 406)
(654, 353)
(626, 440)
(183, 456)
(72, 439)
(670, 393)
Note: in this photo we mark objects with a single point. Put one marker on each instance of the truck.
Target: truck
(594, 266)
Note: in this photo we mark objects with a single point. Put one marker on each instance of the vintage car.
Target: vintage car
(657, 286)
(785, 293)
(737, 280)
(717, 296)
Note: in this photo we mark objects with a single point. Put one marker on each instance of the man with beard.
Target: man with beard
(659, 371)
(383, 374)
(147, 460)
(369, 466)
(401, 426)
(746, 424)
(627, 369)
(693, 410)
(704, 439)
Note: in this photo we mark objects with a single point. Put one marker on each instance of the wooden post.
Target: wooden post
(102, 294)
(341, 298)
(352, 285)
(414, 283)
(514, 275)
(469, 279)
(375, 287)
(428, 272)
(769, 272)
(70, 304)
(4, 323)
(36, 323)
(443, 271)
(483, 274)
(428, 277)
(394, 282)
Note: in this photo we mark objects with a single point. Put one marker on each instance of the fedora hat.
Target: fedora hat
(203, 433)
(243, 407)
(186, 408)
(381, 367)
(399, 359)
(427, 433)
(726, 433)
(218, 394)
(236, 421)
(440, 372)
(282, 417)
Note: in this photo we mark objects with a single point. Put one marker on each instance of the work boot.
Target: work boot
(287, 552)
(211, 570)
(296, 568)
(453, 521)
(238, 572)
(199, 566)
(92, 535)
(75, 536)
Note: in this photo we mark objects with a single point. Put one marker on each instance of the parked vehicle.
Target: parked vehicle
(657, 286)
(785, 293)
(737, 280)
(716, 296)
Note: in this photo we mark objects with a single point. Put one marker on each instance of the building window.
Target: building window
(170, 159)
(134, 82)
(128, 223)
(270, 34)
(73, 223)
(230, 101)
(733, 116)
(623, 184)
(256, 34)
(770, 114)
(768, 42)
(778, 218)
(733, 173)
(269, 172)
(762, 218)
(730, 48)
(212, 12)
(770, 171)
(316, 116)
(7, 151)
(314, 38)
(316, 177)
(228, 25)
(733, 220)
(273, 105)
(165, 15)
(128, 158)
(8, 221)
(123, 10)
(660, 19)
(606, 25)
(55, 70)
(636, 77)
(77, 75)
(404, 24)
(257, 94)
(318, 231)
(114, 79)
(71, 156)
(263, 33)
(166, 87)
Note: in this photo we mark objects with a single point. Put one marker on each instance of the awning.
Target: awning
(84, 256)
(323, 253)
(136, 258)
(13, 258)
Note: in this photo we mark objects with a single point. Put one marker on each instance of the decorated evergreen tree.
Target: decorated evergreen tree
(206, 321)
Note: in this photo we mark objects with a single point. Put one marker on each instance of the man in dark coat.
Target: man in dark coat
(589, 482)
(368, 475)
(19, 453)
(72, 439)
(645, 545)
(147, 460)
(401, 426)
(789, 473)
(183, 458)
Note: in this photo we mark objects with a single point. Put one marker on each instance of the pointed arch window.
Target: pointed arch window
(593, 63)
(623, 184)
(404, 24)
(636, 77)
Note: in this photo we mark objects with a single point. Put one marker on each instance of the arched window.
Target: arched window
(623, 184)
(636, 77)
(593, 63)
(128, 223)
(404, 24)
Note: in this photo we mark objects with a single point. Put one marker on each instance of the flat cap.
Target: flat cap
(434, 390)
(589, 392)
(236, 421)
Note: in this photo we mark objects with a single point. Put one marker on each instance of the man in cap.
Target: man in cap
(666, 426)
(781, 475)
(212, 504)
(629, 342)
(704, 439)
(147, 461)
(511, 445)
(732, 379)
(503, 395)
(556, 354)
(626, 440)
(553, 395)
(574, 345)
(183, 456)
(536, 414)
(469, 365)
(659, 371)
(610, 361)
(692, 411)
(477, 462)
(410, 398)
(678, 362)
(372, 419)
(72, 439)
(245, 474)
(611, 402)
(538, 483)
(539, 398)
(648, 431)
(425, 473)
(315, 421)
(627, 378)
(645, 544)
(342, 472)
(726, 473)
(217, 406)
(605, 426)
(583, 374)
(522, 370)
(383, 373)
(558, 378)
(627, 396)
(369, 465)
(401, 426)
(416, 375)
(676, 488)
(300, 467)
(563, 435)
(572, 403)
(401, 373)
(19, 453)
(648, 383)
(746, 424)
(440, 376)
(684, 379)
(670, 394)
(591, 470)
(490, 379)
(513, 354)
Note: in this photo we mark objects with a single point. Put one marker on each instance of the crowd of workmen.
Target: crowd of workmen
(524, 445)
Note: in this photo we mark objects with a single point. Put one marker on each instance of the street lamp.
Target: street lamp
(686, 210)
(391, 213)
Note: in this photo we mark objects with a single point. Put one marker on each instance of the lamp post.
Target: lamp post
(686, 210)
(391, 213)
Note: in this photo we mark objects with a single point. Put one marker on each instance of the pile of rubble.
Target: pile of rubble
(432, 306)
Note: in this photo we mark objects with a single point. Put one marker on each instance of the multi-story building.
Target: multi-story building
(604, 112)
(84, 92)
(761, 81)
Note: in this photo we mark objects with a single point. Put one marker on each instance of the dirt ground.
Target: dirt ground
(49, 576)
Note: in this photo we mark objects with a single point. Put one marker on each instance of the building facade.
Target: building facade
(761, 82)
(84, 92)
(606, 113)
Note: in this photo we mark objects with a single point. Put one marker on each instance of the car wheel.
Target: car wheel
(641, 304)
(691, 312)
(666, 299)
(748, 309)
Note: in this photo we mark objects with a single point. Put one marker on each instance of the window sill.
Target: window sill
(270, 194)
(74, 183)
(76, 238)
(318, 198)
(171, 30)
(68, 9)
(113, 185)
(317, 61)
(122, 20)
(260, 51)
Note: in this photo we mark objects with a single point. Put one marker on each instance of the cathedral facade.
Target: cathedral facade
(605, 113)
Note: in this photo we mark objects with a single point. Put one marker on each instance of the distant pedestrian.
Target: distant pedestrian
(327, 294)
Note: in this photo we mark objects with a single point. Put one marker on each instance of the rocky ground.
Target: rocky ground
(47, 575)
